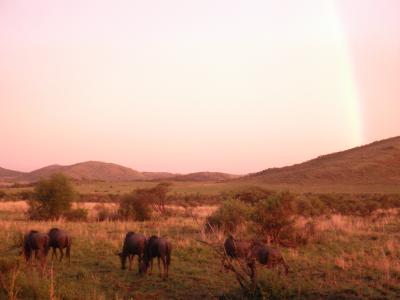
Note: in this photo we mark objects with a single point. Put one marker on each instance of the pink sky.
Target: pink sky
(184, 86)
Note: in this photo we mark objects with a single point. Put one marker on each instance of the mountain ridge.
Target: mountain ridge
(374, 163)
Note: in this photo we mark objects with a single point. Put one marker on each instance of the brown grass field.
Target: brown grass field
(346, 258)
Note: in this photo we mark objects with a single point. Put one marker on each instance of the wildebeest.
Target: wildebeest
(36, 243)
(59, 239)
(268, 256)
(263, 254)
(134, 244)
(236, 248)
(160, 248)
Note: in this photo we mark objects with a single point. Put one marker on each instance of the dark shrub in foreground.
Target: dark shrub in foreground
(52, 198)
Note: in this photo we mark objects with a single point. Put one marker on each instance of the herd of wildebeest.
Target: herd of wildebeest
(36, 246)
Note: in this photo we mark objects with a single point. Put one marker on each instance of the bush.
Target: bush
(310, 206)
(77, 214)
(3, 194)
(274, 214)
(26, 195)
(52, 198)
(252, 195)
(135, 206)
(105, 214)
(229, 216)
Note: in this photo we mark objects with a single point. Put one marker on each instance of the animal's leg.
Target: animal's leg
(68, 253)
(42, 260)
(167, 267)
(139, 262)
(62, 254)
(130, 257)
(151, 266)
(164, 267)
(159, 267)
(53, 253)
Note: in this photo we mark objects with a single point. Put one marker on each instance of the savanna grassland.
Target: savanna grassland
(346, 257)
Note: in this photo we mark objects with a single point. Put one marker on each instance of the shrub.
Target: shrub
(135, 206)
(272, 215)
(52, 198)
(310, 206)
(158, 196)
(230, 215)
(26, 195)
(252, 195)
(76, 214)
(105, 214)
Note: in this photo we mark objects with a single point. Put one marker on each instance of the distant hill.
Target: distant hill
(206, 176)
(159, 175)
(376, 163)
(6, 174)
(90, 170)
(101, 171)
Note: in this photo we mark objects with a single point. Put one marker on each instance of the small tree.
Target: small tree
(52, 198)
(136, 206)
(230, 215)
(270, 216)
(158, 196)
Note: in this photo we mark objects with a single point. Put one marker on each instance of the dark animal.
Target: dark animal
(59, 239)
(235, 249)
(36, 243)
(160, 248)
(269, 256)
(265, 255)
(134, 244)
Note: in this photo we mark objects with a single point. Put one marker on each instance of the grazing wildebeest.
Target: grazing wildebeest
(160, 248)
(235, 249)
(59, 239)
(268, 256)
(265, 255)
(36, 243)
(134, 244)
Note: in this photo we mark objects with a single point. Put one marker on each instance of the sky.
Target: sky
(186, 86)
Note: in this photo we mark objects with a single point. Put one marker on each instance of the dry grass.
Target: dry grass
(346, 257)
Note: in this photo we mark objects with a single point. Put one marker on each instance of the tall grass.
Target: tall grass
(346, 257)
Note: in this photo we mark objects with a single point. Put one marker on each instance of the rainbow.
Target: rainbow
(351, 93)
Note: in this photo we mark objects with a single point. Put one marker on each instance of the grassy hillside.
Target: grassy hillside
(108, 172)
(5, 173)
(91, 170)
(374, 164)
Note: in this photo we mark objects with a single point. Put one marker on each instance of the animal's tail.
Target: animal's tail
(169, 250)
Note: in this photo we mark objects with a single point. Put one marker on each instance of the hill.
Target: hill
(6, 173)
(159, 175)
(375, 163)
(206, 176)
(91, 170)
